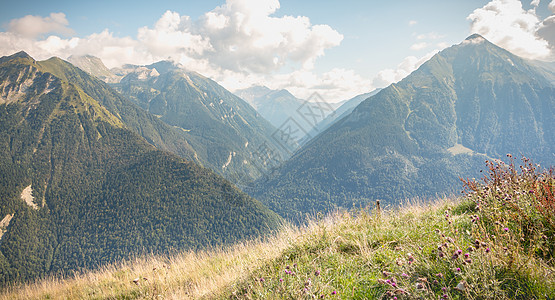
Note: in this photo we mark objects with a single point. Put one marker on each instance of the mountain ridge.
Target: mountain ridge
(395, 144)
(99, 191)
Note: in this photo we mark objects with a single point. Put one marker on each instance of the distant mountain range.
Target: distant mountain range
(471, 102)
(287, 112)
(226, 134)
(80, 186)
(346, 108)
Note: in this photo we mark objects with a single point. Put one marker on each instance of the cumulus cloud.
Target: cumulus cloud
(507, 24)
(245, 37)
(33, 26)
(237, 43)
(407, 66)
(419, 46)
(240, 36)
(430, 36)
(551, 6)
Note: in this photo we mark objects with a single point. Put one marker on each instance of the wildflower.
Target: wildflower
(317, 273)
(461, 286)
(458, 269)
(405, 275)
(506, 229)
(281, 280)
(466, 255)
(445, 296)
(459, 252)
(262, 279)
(443, 289)
(334, 292)
(487, 250)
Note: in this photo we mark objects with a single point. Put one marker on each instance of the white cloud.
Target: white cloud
(551, 6)
(412, 22)
(507, 24)
(429, 36)
(419, 46)
(407, 66)
(240, 36)
(33, 26)
(535, 3)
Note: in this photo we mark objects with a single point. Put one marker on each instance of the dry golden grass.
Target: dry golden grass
(184, 276)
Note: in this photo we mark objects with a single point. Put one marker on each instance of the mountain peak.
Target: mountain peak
(20, 54)
(475, 39)
(164, 66)
(474, 36)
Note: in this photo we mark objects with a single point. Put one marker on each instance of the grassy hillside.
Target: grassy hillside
(496, 242)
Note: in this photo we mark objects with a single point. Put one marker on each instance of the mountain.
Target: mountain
(94, 66)
(295, 118)
(228, 135)
(79, 189)
(548, 69)
(470, 102)
(276, 106)
(346, 108)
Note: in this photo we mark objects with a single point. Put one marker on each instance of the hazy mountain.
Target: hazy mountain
(295, 118)
(276, 106)
(95, 67)
(416, 137)
(548, 69)
(79, 189)
(230, 136)
(346, 108)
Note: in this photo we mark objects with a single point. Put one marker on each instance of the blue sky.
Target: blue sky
(338, 48)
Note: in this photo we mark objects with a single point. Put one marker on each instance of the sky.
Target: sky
(337, 48)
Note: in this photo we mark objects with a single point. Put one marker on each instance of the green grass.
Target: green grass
(506, 248)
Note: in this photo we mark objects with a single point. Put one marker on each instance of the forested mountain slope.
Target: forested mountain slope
(79, 189)
(468, 103)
